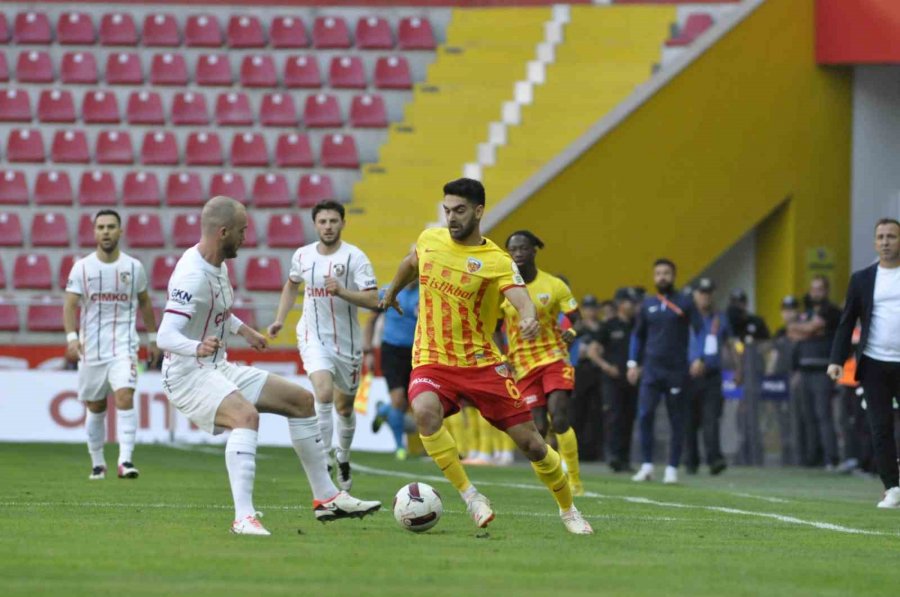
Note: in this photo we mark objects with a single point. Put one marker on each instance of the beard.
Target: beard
(664, 287)
(230, 251)
(463, 231)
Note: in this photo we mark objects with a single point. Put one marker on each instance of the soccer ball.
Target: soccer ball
(417, 507)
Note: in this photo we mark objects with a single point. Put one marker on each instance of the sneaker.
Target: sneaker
(479, 508)
(891, 498)
(671, 475)
(575, 522)
(344, 480)
(577, 487)
(718, 467)
(97, 473)
(249, 525)
(127, 470)
(645, 473)
(400, 454)
(343, 505)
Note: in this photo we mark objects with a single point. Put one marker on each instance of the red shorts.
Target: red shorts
(491, 389)
(537, 385)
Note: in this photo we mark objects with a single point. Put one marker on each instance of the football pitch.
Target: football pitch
(749, 532)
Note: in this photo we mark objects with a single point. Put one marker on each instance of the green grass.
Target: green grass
(166, 533)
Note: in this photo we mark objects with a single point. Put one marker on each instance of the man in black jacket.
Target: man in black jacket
(873, 298)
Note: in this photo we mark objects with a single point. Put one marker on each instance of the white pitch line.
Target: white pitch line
(765, 498)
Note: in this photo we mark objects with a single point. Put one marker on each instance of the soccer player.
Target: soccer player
(541, 366)
(216, 394)
(110, 287)
(338, 278)
(462, 277)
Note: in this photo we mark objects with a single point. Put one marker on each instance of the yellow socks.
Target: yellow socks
(456, 427)
(568, 449)
(549, 471)
(442, 450)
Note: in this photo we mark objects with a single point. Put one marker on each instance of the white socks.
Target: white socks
(309, 447)
(127, 422)
(346, 429)
(240, 460)
(95, 425)
(326, 423)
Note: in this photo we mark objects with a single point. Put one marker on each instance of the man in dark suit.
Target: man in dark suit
(873, 298)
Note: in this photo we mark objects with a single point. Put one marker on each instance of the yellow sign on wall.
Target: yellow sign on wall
(819, 262)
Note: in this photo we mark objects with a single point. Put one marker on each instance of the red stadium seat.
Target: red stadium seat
(694, 27)
(53, 188)
(5, 33)
(32, 28)
(330, 33)
(229, 184)
(415, 33)
(75, 28)
(9, 316)
(145, 107)
(250, 239)
(34, 66)
(314, 188)
(285, 231)
(25, 145)
(258, 70)
(32, 272)
(161, 30)
(302, 72)
(189, 108)
(271, 190)
(161, 271)
(368, 111)
(70, 147)
(374, 33)
(347, 72)
(293, 150)
(114, 147)
(339, 151)
(245, 31)
(45, 314)
(249, 149)
(10, 229)
(86, 232)
(56, 106)
(288, 32)
(49, 229)
(203, 149)
(123, 68)
(159, 148)
(100, 107)
(264, 274)
(144, 231)
(141, 188)
(277, 109)
(202, 31)
(186, 230)
(79, 68)
(97, 187)
(168, 69)
(65, 268)
(213, 70)
(322, 111)
(13, 188)
(242, 308)
(2, 277)
(233, 109)
(392, 72)
(15, 106)
(4, 68)
(118, 29)
(184, 189)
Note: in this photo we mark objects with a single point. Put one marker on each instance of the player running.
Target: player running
(338, 278)
(109, 287)
(216, 394)
(462, 278)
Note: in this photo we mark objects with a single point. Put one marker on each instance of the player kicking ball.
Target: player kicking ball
(217, 395)
(462, 279)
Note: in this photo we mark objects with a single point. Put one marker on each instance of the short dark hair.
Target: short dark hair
(327, 205)
(108, 212)
(467, 188)
(883, 221)
(531, 236)
(823, 279)
(664, 261)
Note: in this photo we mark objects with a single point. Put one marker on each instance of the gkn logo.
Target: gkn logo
(181, 296)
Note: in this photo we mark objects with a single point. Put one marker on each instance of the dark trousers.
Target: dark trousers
(621, 400)
(857, 439)
(656, 386)
(816, 393)
(881, 381)
(706, 403)
(586, 411)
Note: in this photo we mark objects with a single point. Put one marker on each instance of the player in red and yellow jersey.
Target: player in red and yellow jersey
(541, 365)
(462, 279)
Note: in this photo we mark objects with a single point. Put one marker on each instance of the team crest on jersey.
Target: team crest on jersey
(125, 277)
(473, 265)
(502, 370)
(544, 298)
(339, 269)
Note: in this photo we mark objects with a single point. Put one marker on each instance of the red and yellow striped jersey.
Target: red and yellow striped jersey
(551, 297)
(460, 289)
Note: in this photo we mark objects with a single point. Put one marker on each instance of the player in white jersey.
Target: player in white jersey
(338, 278)
(109, 287)
(217, 395)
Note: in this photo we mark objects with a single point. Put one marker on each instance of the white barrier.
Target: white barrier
(43, 407)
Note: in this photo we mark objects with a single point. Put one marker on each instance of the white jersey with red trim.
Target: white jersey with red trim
(109, 306)
(329, 320)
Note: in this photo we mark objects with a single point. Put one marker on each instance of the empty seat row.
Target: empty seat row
(694, 26)
(183, 189)
(204, 30)
(258, 70)
(161, 148)
(191, 108)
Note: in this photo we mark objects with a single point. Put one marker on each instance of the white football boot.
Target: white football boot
(479, 508)
(575, 522)
(249, 525)
(670, 477)
(891, 498)
(645, 473)
(343, 505)
(98, 473)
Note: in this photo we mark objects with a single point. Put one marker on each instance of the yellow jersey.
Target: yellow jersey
(460, 290)
(551, 297)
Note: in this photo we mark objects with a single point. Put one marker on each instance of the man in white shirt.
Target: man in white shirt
(109, 287)
(217, 395)
(338, 278)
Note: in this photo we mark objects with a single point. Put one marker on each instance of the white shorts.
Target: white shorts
(344, 369)
(198, 393)
(95, 382)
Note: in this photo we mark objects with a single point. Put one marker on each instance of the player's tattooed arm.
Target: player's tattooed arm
(406, 273)
(528, 323)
